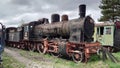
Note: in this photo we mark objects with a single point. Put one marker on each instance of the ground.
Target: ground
(17, 58)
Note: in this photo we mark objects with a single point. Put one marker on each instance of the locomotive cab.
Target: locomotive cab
(26, 32)
(108, 34)
(29, 30)
(104, 33)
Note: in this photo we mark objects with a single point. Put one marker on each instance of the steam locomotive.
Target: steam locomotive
(72, 38)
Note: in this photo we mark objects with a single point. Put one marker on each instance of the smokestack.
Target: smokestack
(82, 10)
(55, 18)
(64, 17)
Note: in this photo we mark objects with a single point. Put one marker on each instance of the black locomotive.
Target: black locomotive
(71, 38)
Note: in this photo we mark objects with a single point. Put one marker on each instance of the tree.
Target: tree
(110, 10)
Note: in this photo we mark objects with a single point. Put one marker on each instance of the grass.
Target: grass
(114, 65)
(10, 62)
(53, 62)
(63, 63)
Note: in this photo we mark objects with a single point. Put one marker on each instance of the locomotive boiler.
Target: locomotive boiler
(80, 29)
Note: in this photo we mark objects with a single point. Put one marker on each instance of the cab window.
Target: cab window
(108, 30)
(26, 28)
(100, 30)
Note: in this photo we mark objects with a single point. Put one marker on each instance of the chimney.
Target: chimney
(64, 17)
(82, 10)
(55, 18)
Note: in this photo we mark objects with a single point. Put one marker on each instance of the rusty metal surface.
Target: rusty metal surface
(57, 29)
(86, 48)
(66, 29)
(92, 47)
(78, 33)
(62, 48)
(64, 18)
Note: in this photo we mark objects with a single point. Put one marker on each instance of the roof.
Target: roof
(11, 28)
(104, 24)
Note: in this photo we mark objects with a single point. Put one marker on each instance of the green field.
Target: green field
(94, 62)
(10, 62)
(48, 60)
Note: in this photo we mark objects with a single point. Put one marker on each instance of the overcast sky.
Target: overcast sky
(16, 12)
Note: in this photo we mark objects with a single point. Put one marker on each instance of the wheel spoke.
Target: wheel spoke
(40, 48)
(55, 54)
(78, 57)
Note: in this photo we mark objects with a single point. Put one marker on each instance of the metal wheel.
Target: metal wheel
(110, 49)
(55, 54)
(22, 46)
(14, 45)
(78, 57)
(40, 48)
(26, 46)
(19, 46)
(10, 45)
(31, 47)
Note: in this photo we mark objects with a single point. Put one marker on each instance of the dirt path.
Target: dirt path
(28, 62)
